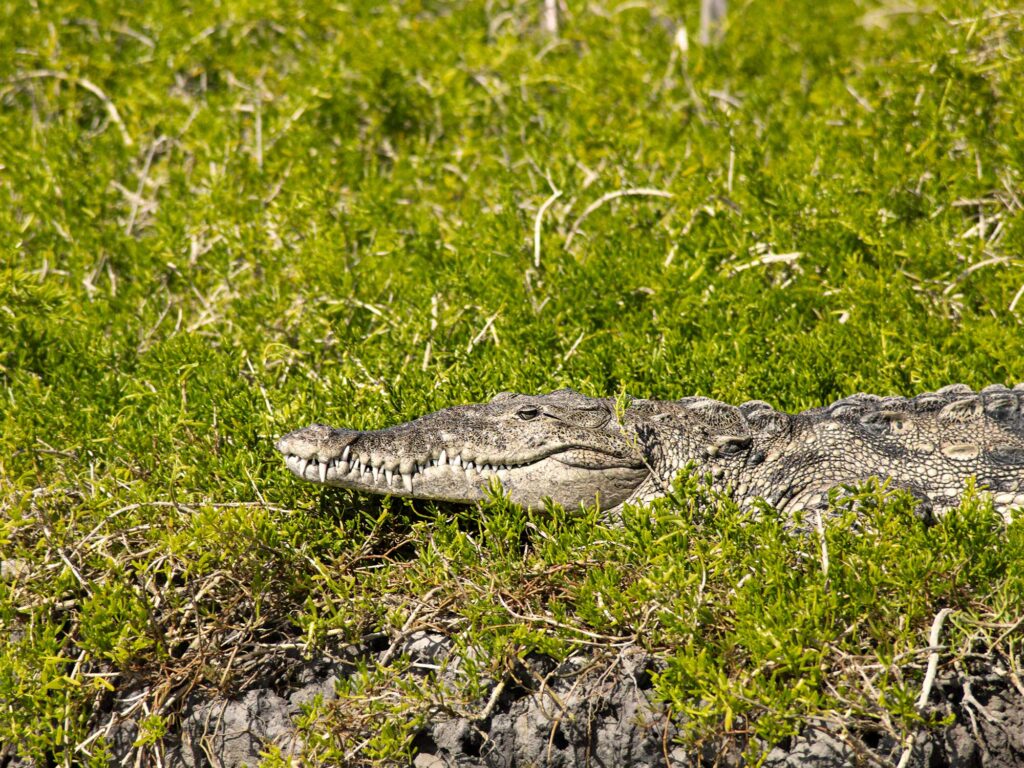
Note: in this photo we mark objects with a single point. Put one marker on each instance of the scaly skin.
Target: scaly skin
(575, 449)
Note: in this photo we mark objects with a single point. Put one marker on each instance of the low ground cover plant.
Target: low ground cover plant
(222, 222)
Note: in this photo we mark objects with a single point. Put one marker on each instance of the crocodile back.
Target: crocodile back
(932, 443)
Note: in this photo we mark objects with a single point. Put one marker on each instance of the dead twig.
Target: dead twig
(824, 544)
(933, 657)
(488, 326)
(407, 628)
(615, 640)
(1006, 260)
(137, 199)
(1016, 298)
(712, 16)
(537, 224)
(864, 103)
(639, 192)
(91, 87)
(768, 258)
(549, 17)
(929, 679)
(491, 702)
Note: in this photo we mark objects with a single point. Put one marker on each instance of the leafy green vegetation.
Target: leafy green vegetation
(223, 221)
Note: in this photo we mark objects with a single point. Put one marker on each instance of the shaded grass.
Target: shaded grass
(327, 214)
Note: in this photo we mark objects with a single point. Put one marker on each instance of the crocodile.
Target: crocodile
(574, 449)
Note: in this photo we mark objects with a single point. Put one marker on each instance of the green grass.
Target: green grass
(223, 221)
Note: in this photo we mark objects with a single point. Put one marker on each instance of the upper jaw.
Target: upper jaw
(355, 469)
(365, 461)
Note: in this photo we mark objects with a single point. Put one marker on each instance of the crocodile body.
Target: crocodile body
(575, 449)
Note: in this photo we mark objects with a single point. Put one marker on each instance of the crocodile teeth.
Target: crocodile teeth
(350, 464)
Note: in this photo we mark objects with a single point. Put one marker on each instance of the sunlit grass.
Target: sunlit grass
(222, 222)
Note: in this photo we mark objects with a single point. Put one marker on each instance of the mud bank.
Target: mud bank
(579, 714)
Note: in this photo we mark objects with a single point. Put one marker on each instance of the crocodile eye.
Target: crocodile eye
(730, 449)
(528, 413)
(727, 446)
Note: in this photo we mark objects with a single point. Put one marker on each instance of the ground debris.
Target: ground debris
(593, 709)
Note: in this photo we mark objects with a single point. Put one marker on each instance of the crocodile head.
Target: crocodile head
(563, 446)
